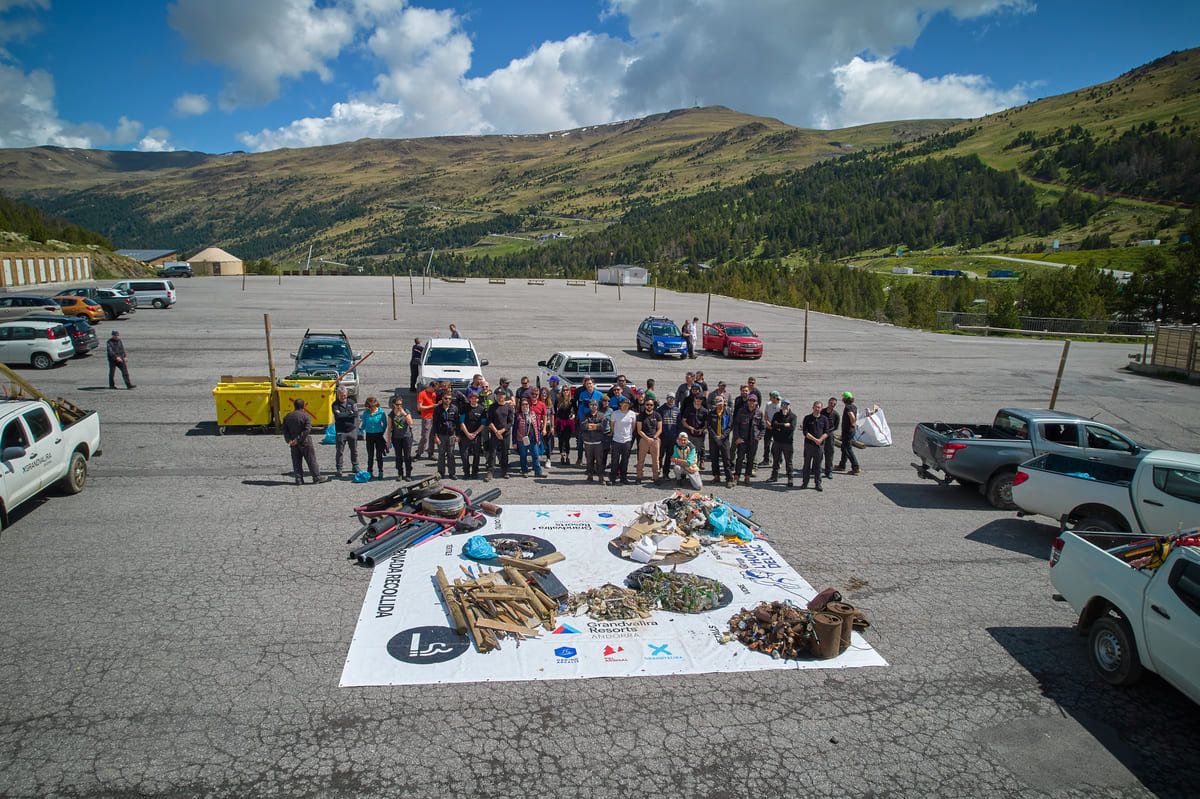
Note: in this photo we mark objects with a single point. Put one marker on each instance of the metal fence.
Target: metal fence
(947, 320)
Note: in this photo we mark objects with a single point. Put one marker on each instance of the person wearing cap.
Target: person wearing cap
(583, 397)
(748, 428)
(720, 424)
(769, 411)
(117, 360)
(783, 428)
(593, 427)
(849, 426)
(669, 412)
(555, 387)
(683, 462)
(622, 422)
(297, 432)
(648, 429)
(501, 416)
(720, 391)
(832, 421)
(815, 433)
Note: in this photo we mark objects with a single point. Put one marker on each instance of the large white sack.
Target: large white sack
(872, 429)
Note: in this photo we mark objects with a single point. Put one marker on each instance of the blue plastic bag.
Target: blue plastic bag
(362, 476)
(478, 548)
(725, 523)
(330, 435)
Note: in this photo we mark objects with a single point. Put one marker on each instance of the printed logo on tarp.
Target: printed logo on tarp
(564, 629)
(605, 526)
(566, 654)
(661, 652)
(427, 645)
(614, 654)
(620, 628)
(604, 515)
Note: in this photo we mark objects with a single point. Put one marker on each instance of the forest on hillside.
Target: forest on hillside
(37, 226)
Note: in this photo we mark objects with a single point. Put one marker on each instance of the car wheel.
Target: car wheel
(159, 304)
(1113, 651)
(1093, 524)
(638, 343)
(110, 314)
(41, 360)
(725, 351)
(999, 491)
(76, 477)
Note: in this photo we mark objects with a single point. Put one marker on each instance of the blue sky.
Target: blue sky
(222, 75)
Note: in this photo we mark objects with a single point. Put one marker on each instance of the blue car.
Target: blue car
(661, 336)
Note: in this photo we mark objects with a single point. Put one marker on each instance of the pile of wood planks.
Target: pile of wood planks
(496, 604)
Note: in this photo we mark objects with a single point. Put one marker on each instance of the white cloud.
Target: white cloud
(808, 62)
(156, 140)
(262, 42)
(191, 105)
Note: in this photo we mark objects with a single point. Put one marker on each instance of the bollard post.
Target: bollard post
(1062, 364)
(708, 309)
(805, 333)
(393, 298)
(654, 304)
(412, 297)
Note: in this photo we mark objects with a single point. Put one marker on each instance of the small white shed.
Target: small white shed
(624, 275)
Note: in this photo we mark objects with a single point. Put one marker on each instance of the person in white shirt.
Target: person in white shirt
(622, 421)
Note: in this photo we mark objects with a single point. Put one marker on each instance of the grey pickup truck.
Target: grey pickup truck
(987, 455)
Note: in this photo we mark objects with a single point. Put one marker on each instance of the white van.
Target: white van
(159, 293)
(41, 344)
(449, 359)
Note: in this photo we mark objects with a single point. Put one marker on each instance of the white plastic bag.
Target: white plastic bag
(872, 429)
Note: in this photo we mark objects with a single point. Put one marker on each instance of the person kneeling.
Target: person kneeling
(683, 462)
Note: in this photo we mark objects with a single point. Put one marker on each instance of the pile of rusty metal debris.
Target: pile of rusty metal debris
(783, 630)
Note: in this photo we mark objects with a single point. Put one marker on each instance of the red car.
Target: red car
(732, 338)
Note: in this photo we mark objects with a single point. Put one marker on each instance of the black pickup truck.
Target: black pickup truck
(112, 301)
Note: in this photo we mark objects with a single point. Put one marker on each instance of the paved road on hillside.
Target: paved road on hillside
(179, 629)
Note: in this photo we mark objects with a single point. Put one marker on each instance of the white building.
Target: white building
(623, 274)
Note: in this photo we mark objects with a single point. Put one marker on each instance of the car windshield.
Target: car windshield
(325, 351)
(451, 356)
(664, 329)
(739, 330)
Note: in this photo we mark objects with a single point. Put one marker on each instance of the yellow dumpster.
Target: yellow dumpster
(317, 396)
(242, 404)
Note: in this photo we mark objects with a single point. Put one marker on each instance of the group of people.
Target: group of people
(676, 436)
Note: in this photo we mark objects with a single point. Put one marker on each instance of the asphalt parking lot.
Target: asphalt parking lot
(179, 628)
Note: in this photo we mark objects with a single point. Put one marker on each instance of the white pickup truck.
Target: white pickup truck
(1135, 618)
(1160, 495)
(37, 451)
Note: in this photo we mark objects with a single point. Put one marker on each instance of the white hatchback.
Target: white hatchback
(41, 344)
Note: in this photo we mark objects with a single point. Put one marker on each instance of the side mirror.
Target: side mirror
(12, 453)
(541, 363)
(357, 355)
(293, 355)
(483, 362)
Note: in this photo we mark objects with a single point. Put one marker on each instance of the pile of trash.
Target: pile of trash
(783, 630)
(675, 529)
(650, 588)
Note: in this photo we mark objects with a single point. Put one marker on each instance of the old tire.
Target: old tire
(999, 491)
(1113, 651)
(76, 477)
(159, 304)
(41, 360)
(1094, 524)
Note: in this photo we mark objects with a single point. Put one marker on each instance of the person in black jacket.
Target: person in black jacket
(720, 425)
(117, 360)
(501, 416)
(414, 364)
(445, 434)
(474, 432)
(815, 434)
(833, 420)
(748, 430)
(297, 432)
(345, 425)
(783, 427)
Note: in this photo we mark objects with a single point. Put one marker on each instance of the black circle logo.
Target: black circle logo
(430, 645)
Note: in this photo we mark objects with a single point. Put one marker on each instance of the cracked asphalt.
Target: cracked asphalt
(179, 628)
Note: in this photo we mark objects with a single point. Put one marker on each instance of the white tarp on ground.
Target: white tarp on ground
(404, 635)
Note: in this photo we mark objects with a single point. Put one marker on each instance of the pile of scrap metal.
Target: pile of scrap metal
(413, 514)
(493, 605)
(783, 630)
(650, 588)
(674, 529)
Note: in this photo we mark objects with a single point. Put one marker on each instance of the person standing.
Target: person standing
(593, 428)
(748, 430)
(622, 422)
(564, 423)
(528, 433)
(297, 432)
(117, 360)
(501, 416)
(783, 429)
(720, 423)
(686, 333)
(454, 332)
(345, 425)
(769, 411)
(427, 400)
(815, 434)
(683, 462)
(832, 420)
(649, 430)
(583, 399)
(400, 437)
(670, 427)
(849, 426)
(374, 426)
(694, 342)
(474, 429)
(414, 364)
(693, 419)
(445, 434)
